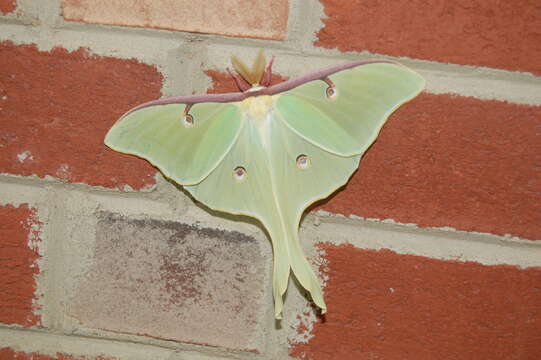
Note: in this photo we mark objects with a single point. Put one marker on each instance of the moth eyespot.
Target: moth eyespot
(331, 92)
(188, 120)
(303, 162)
(239, 173)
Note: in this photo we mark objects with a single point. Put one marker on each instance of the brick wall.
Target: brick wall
(430, 251)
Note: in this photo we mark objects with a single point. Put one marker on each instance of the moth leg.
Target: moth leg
(188, 118)
(267, 75)
(331, 90)
(242, 84)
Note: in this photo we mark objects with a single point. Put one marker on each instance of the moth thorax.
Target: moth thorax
(255, 88)
(257, 106)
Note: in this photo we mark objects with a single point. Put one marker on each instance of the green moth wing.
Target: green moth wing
(347, 121)
(164, 136)
(270, 152)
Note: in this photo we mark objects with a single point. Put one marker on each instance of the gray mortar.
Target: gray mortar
(51, 344)
(436, 243)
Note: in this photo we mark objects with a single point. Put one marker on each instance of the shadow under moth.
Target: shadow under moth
(269, 152)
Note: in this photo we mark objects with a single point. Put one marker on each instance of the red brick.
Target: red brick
(56, 107)
(7, 6)
(10, 354)
(454, 161)
(19, 232)
(499, 34)
(266, 19)
(382, 305)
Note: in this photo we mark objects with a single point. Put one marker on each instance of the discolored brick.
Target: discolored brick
(172, 281)
(240, 18)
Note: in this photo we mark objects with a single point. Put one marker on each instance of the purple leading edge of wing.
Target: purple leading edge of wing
(271, 90)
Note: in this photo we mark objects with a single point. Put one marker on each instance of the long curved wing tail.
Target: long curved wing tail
(288, 256)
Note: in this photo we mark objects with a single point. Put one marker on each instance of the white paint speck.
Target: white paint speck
(33, 235)
(27, 155)
(63, 172)
(391, 289)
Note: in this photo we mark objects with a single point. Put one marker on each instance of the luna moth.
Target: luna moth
(269, 152)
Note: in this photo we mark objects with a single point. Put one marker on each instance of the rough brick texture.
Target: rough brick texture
(10, 354)
(382, 305)
(493, 33)
(56, 107)
(19, 235)
(173, 281)
(265, 19)
(7, 6)
(446, 160)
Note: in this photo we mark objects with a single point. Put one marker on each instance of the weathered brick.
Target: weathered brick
(256, 19)
(173, 281)
(488, 33)
(19, 235)
(56, 107)
(382, 305)
(10, 354)
(7, 6)
(445, 160)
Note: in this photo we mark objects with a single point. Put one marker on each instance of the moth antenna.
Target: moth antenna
(258, 68)
(242, 70)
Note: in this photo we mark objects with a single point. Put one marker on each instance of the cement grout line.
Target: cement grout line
(49, 181)
(320, 216)
(312, 24)
(49, 344)
(463, 80)
(123, 346)
(435, 243)
(162, 204)
(146, 46)
(54, 259)
(16, 190)
(299, 13)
